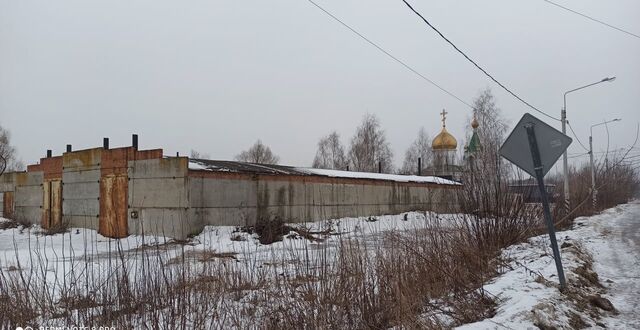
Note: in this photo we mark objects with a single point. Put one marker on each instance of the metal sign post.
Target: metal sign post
(535, 155)
(546, 144)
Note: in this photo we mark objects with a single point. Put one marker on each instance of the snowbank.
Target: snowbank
(527, 290)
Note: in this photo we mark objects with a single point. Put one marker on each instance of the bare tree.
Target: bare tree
(420, 148)
(492, 132)
(258, 153)
(195, 154)
(493, 126)
(486, 183)
(8, 159)
(330, 154)
(369, 147)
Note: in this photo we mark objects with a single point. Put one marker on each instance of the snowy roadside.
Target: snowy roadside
(607, 243)
(28, 249)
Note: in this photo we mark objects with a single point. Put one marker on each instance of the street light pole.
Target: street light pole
(594, 192)
(565, 158)
(593, 172)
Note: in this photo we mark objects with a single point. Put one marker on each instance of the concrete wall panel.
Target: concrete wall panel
(82, 221)
(27, 214)
(293, 200)
(80, 207)
(164, 221)
(81, 188)
(158, 196)
(28, 197)
(158, 193)
(159, 168)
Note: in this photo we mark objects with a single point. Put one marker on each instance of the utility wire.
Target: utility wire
(579, 155)
(576, 136)
(391, 56)
(593, 19)
(476, 64)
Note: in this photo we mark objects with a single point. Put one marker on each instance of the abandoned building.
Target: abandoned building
(124, 191)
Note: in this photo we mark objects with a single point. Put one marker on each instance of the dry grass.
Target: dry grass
(428, 277)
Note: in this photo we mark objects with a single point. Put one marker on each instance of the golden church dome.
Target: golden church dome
(444, 141)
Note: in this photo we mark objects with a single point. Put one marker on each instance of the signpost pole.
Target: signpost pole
(537, 163)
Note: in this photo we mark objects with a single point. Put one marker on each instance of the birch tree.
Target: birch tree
(369, 147)
(420, 148)
(330, 153)
(258, 153)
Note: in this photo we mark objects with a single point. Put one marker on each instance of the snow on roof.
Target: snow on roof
(240, 167)
(377, 176)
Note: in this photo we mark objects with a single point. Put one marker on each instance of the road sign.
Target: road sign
(534, 147)
(551, 144)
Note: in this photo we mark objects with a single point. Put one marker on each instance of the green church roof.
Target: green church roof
(474, 144)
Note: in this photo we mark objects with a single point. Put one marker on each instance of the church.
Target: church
(446, 161)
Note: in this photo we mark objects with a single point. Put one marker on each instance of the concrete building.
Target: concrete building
(123, 191)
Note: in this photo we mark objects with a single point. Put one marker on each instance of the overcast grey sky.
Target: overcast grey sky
(217, 75)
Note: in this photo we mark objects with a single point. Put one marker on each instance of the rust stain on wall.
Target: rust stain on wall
(46, 205)
(21, 178)
(114, 188)
(51, 203)
(113, 206)
(115, 161)
(7, 206)
(56, 202)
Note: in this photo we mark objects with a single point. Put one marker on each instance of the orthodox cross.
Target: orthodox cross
(444, 117)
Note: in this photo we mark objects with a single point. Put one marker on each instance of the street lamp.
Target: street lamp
(563, 119)
(594, 192)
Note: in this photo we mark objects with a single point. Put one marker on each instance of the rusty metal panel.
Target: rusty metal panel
(113, 206)
(7, 206)
(51, 203)
(46, 205)
(56, 202)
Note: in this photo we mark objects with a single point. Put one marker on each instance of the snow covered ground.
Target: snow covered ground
(528, 294)
(27, 248)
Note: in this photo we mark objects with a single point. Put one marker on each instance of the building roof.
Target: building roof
(251, 168)
(474, 143)
(241, 167)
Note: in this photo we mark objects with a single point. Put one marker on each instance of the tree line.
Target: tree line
(367, 151)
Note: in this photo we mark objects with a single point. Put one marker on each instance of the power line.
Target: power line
(593, 19)
(576, 136)
(390, 55)
(579, 155)
(476, 64)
